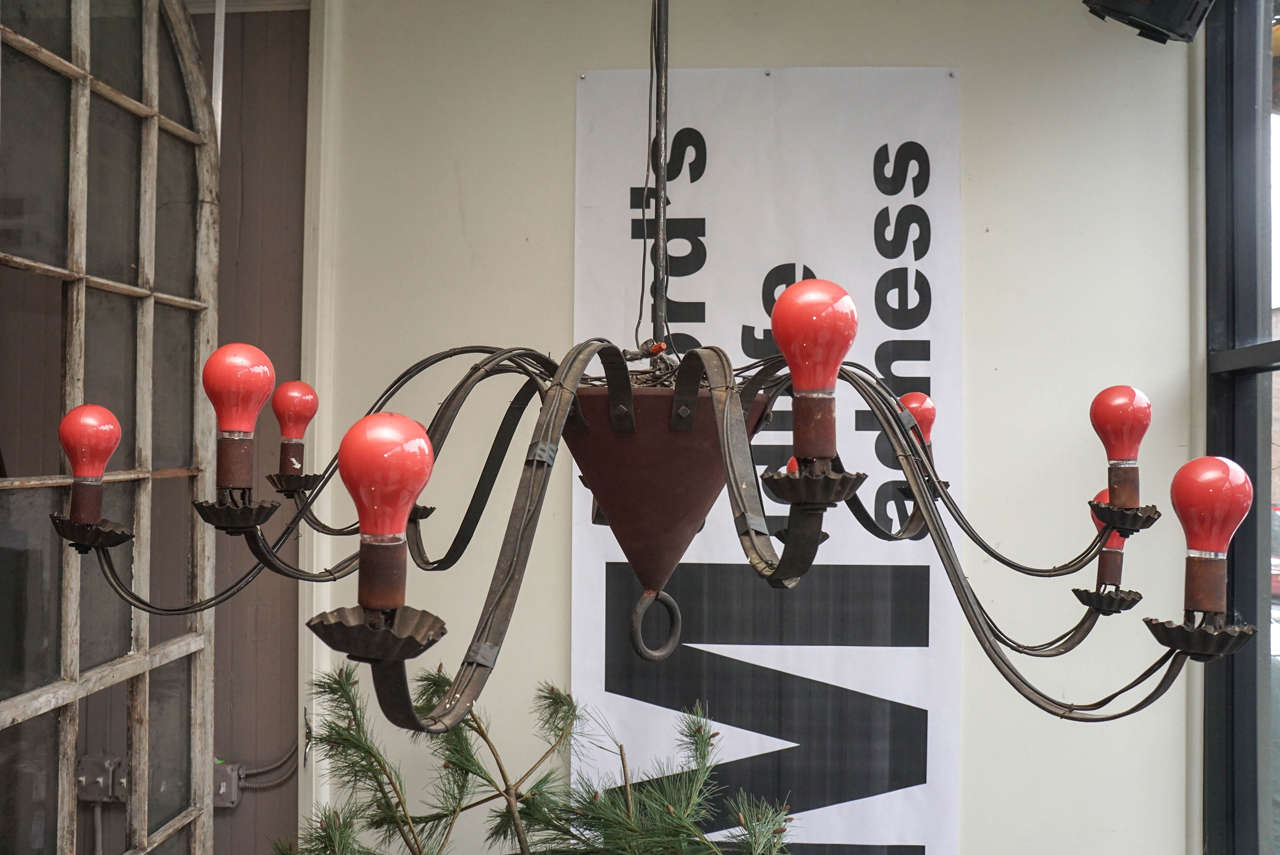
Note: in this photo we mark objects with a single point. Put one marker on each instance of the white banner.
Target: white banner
(841, 697)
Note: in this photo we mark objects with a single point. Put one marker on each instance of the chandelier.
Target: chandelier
(655, 423)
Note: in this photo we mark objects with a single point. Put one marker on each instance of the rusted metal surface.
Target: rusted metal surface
(86, 502)
(655, 485)
(1107, 602)
(291, 453)
(814, 434)
(1202, 643)
(235, 464)
(1206, 584)
(371, 635)
(383, 573)
(1110, 567)
(1122, 485)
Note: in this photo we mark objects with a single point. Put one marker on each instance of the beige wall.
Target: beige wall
(441, 161)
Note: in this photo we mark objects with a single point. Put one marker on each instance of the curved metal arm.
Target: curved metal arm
(483, 488)
(390, 679)
(917, 480)
(304, 508)
(919, 476)
(740, 478)
(127, 594)
(1064, 643)
(264, 553)
(887, 410)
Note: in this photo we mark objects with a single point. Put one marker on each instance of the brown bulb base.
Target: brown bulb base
(86, 502)
(1110, 566)
(1122, 485)
(235, 463)
(814, 426)
(382, 575)
(291, 456)
(1206, 584)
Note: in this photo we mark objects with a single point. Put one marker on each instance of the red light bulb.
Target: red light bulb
(1114, 540)
(1211, 496)
(922, 410)
(385, 460)
(814, 323)
(295, 405)
(89, 435)
(1120, 416)
(238, 378)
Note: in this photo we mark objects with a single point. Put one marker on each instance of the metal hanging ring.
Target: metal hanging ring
(637, 623)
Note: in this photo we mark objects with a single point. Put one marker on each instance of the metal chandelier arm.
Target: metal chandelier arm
(805, 533)
(1062, 644)
(887, 410)
(390, 678)
(308, 516)
(483, 489)
(267, 556)
(976, 617)
(127, 594)
(506, 361)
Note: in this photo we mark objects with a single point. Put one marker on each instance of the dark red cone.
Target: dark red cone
(654, 486)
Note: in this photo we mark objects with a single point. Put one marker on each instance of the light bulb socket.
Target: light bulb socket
(1122, 483)
(382, 572)
(86, 501)
(1206, 584)
(814, 425)
(235, 462)
(291, 456)
(1110, 566)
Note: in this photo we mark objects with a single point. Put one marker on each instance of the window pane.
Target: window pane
(46, 22)
(35, 107)
(170, 730)
(174, 375)
(110, 332)
(30, 337)
(176, 217)
(115, 49)
(29, 785)
(105, 619)
(30, 597)
(173, 89)
(104, 732)
(115, 153)
(171, 528)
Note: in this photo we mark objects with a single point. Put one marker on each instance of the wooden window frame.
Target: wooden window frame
(196, 644)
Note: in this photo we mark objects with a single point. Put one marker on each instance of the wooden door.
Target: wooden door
(264, 117)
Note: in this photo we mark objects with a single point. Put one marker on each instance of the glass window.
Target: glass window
(29, 786)
(31, 342)
(84, 326)
(34, 153)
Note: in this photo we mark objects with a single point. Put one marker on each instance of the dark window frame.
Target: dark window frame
(1237, 698)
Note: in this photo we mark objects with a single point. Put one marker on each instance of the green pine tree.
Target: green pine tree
(534, 813)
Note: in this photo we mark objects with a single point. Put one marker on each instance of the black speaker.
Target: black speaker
(1158, 20)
